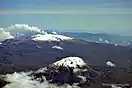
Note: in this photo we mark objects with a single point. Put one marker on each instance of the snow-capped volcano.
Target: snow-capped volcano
(49, 76)
(60, 74)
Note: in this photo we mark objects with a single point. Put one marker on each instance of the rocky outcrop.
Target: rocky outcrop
(3, 82)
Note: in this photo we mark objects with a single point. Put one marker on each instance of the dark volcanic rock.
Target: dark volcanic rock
(3, 82)
(20, 53)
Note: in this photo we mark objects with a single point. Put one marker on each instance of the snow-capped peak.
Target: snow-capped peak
(50, 37)
(70, 62)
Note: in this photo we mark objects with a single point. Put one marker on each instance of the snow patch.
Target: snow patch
(110, 64)
(114, 86)
(116, 44)
(46, 37)
(128, 43)
(100, 39)
(50, 37)
(106, 41)
(84, 78)
(57, 47)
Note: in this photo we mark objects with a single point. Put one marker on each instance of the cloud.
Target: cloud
(5, 35)
(18, 30)
(39, 12)
(22, 27)
(23, 80)
(86, 11)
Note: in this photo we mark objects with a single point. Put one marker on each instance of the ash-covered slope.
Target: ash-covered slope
(17, 54)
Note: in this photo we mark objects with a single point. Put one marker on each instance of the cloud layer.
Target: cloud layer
(22, 27)
(18, 30)
(5, 35)
(89, 11)
(23, 80)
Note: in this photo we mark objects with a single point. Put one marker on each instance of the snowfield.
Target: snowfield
(50, 37)
(70, 62)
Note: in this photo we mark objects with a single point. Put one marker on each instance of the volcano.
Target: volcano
(62, 61)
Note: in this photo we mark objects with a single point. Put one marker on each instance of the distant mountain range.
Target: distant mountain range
(101, 38)
(21, 31)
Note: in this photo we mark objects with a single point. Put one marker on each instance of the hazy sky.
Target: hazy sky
(107, 16)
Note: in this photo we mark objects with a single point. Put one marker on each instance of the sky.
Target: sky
(101, 16)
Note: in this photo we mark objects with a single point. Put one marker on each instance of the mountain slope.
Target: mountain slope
(20, 53)
(69, 72)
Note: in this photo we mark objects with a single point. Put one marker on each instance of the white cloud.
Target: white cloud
(22, 27)
(90, 10)
(18, 30)
(23, 80)
(5, 35)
